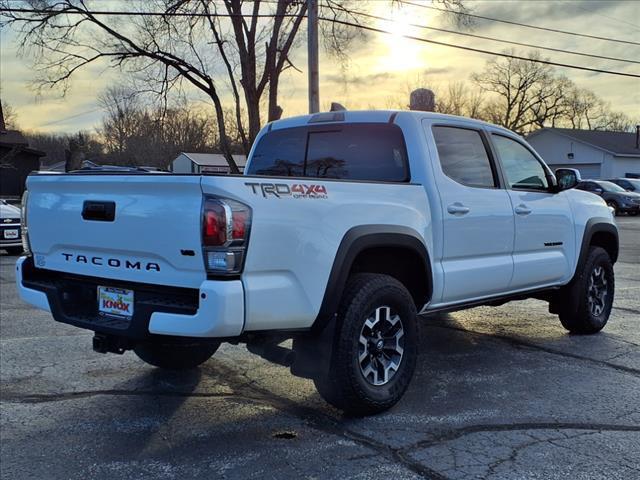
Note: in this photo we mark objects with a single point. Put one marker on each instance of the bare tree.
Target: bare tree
(585, 110)
(121, 120)
(251, 44)
(522, 91)
(10, 116)
(136, 134)
(459, 99)
(251, 52)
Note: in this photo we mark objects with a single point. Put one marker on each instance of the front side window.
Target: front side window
(463, 156)
(521, 167)
(369, 151)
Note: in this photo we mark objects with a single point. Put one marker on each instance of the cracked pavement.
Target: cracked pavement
(499, 393)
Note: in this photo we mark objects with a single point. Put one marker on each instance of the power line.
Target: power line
(633, 25)
(70, 117)
(509, 22)
(351, 24)
(479, 50)
(493, 39)
(140, 14)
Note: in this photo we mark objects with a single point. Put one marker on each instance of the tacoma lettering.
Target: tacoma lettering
(112, 262)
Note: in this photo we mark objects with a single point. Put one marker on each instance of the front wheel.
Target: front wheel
(375, 348)
(585, 304)
(174, 356)
(614, 205)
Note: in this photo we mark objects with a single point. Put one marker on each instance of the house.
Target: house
(595, 153)
(17, 160)
(205, 162)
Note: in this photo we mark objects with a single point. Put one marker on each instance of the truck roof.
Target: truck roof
(372, 116)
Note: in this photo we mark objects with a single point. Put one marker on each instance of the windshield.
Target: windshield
(635, 183)
(610, 187)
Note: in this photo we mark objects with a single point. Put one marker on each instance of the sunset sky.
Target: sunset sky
(382, 68)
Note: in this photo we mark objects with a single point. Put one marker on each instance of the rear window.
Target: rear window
(367, 151)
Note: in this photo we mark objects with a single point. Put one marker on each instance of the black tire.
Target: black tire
(613, 204)
(344, 385)
(13, 250)
(583, 309)
(633, 214)
(173, 356)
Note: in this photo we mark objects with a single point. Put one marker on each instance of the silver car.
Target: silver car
(10, 231)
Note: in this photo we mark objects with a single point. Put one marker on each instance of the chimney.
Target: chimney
(638, 136)
(422, 99)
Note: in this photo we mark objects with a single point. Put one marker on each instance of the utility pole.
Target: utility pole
(312, 47)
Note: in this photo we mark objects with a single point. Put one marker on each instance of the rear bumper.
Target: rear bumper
(215, 310)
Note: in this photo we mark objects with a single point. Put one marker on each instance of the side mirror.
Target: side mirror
(567, 178)
(598, 190)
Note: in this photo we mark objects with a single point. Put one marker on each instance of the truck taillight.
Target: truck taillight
(225, 234)
(23, 224)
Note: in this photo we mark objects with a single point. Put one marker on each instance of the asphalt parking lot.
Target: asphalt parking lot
(499, 393)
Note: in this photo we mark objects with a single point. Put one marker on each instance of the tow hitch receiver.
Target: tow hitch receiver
(110, 344)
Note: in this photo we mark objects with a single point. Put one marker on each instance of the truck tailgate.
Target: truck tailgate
(154, 235)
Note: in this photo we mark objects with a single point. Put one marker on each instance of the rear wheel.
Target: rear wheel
(174, 356)
(375, 348)
(585, 304)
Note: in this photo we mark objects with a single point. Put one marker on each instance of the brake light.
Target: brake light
(215, 224)
(26, 246)
(225, 234)
(240, 220)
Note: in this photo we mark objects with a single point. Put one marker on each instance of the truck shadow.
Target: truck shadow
(236, 399)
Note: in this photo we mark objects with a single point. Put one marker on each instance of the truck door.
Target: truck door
(544, 225)
(478, 220)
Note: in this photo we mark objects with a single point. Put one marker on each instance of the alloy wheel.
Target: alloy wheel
(381, 346)
(597, 291)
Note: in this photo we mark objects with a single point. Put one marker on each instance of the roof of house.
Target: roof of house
(213, 159)
(14, 139)
(617, 143)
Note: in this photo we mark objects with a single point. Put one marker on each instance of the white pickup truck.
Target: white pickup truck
(344, 229)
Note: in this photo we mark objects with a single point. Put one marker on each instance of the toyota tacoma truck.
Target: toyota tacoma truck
(345, 229)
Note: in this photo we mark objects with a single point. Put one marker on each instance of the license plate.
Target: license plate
(11, 234)
(115, 302)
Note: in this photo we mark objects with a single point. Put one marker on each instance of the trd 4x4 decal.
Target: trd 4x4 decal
(297, 190)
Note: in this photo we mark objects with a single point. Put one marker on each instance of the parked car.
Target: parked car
(344, 228)
(616, 197)
(629, 184)
(10, 237)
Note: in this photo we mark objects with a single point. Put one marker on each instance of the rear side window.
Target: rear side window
(371, 151)
(463, 156)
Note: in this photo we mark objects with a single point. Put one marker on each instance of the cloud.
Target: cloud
(360, 80)
(380, 66)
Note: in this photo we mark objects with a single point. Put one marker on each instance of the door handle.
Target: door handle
(458, 209)
(522, 209)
